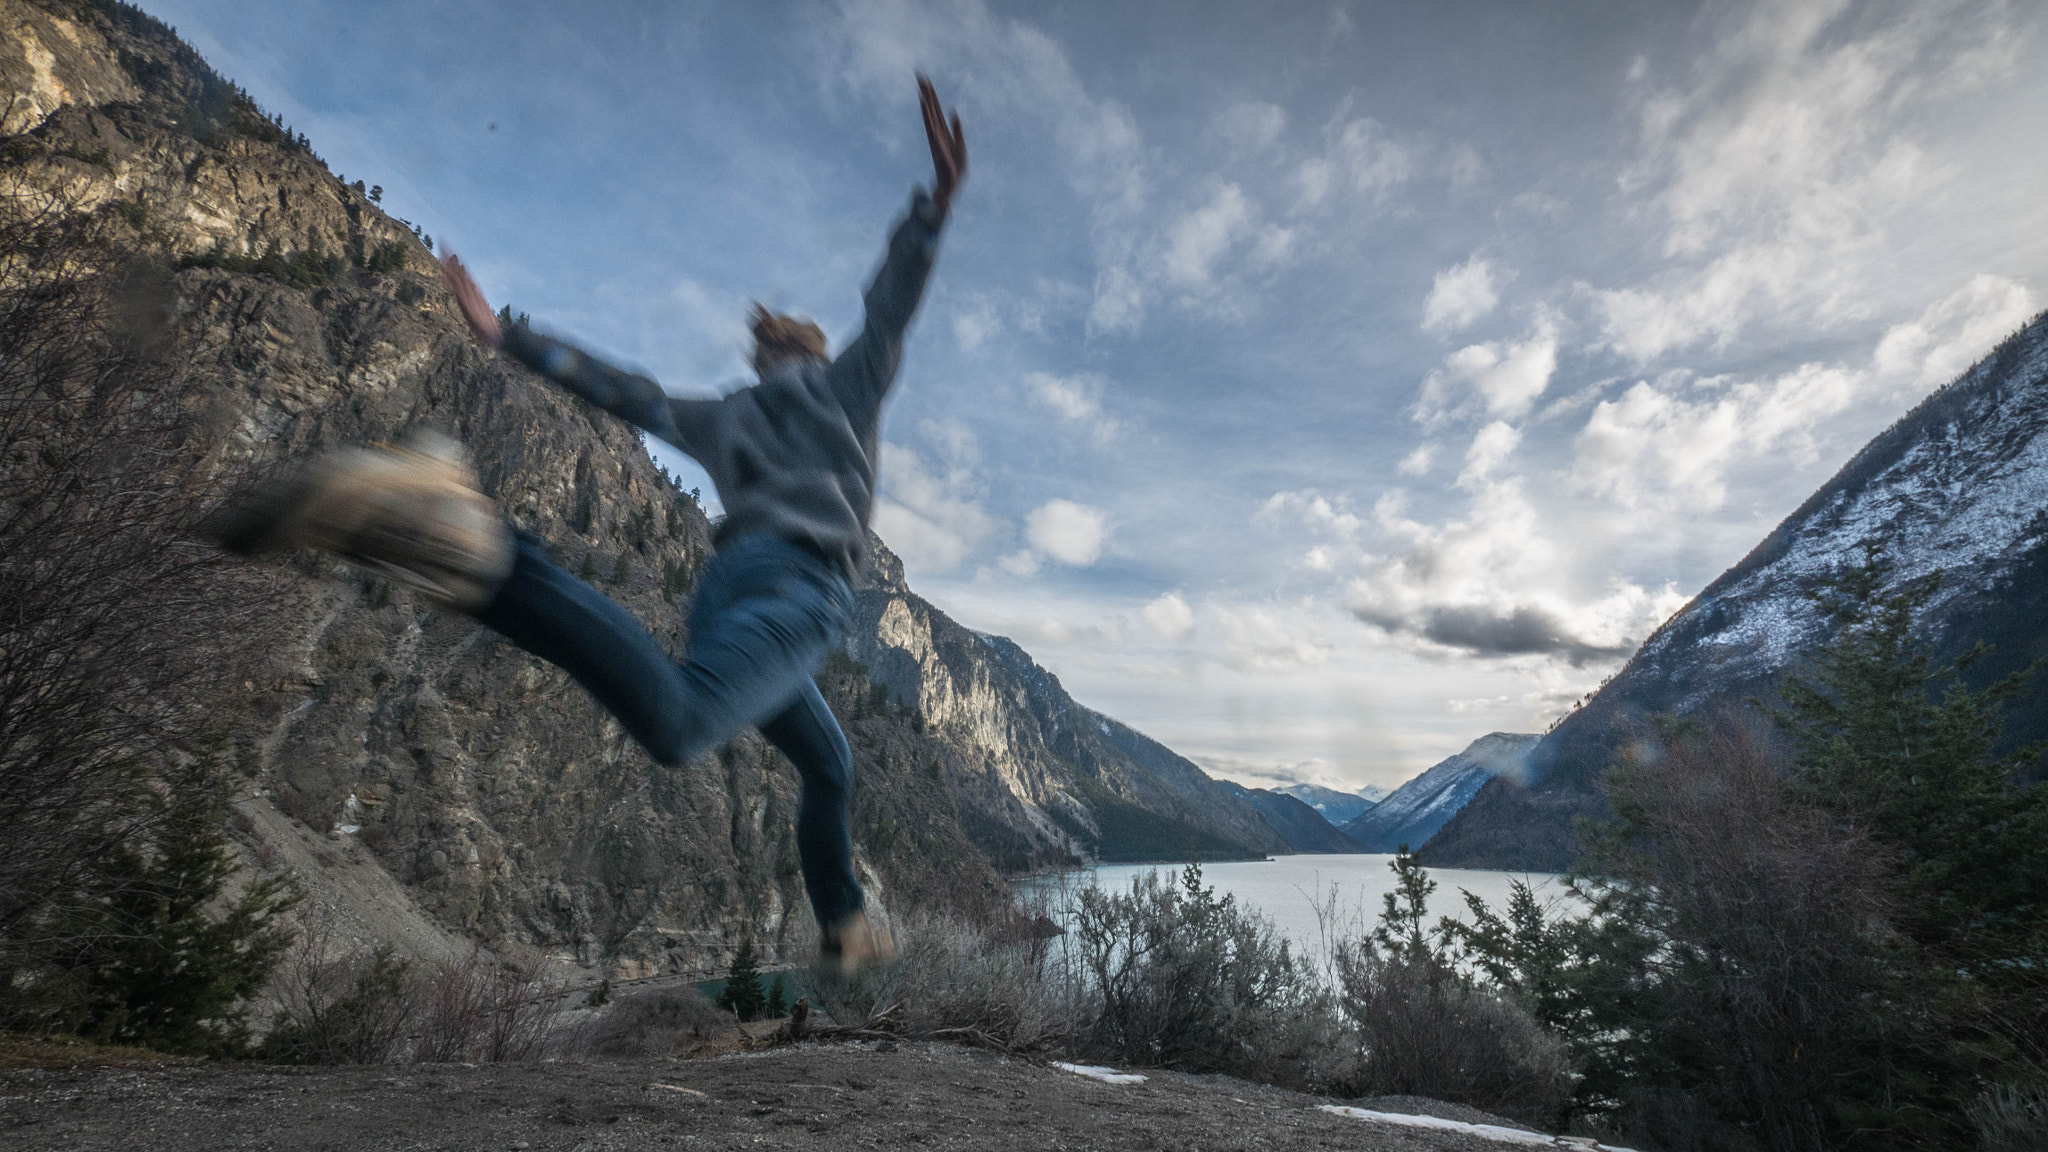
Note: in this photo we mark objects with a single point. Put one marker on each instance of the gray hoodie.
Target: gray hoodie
(793, 455)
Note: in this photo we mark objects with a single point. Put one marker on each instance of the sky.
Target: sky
(1315, 387)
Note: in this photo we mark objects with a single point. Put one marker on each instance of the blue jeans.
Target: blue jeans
(765, 614)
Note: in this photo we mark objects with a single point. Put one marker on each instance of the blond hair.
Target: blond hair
(778, 337)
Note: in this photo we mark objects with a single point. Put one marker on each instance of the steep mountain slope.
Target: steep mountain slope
(1301, 826)
(1415, 810)
(1046, 779)
(1339, 808)
(1957, 486)
(488, 787)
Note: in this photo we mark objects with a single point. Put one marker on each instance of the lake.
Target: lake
(1287, 889)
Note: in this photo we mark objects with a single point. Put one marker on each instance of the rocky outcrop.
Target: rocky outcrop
(489, 791)
(1958, 486)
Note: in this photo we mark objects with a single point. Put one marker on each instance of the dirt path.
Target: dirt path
(812, 1097)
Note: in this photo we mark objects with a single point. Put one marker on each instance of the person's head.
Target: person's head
(779, 338)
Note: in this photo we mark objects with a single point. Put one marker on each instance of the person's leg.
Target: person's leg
(575, 627)
(807, 733)
(765, 614)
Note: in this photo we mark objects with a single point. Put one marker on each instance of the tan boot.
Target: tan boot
(412, 514)
(855, 945)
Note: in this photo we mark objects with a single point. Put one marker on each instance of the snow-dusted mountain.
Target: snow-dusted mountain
(1339, 808)
(1301, 826)
(1415, 810)
(1959, 486)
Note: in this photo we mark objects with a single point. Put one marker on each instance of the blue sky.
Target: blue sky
(1315, 387)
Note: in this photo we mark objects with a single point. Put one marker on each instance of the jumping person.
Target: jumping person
(793, 459)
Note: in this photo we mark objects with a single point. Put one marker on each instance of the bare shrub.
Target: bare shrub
(352, 1008)
(1180, 978)
(656, 1022)
(2010, 1118)
(474, 1009)
(969, 981)
(121, 636)
(341, 1005)
(1769, 986)
(1421, 1028)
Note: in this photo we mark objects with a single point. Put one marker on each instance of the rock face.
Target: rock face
(1301, 826)
(1046, 781)
(491, 789)
(1415, 810)
(1958, 486)
(1339, 808)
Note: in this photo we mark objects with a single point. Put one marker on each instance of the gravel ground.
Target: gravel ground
(812, 1096)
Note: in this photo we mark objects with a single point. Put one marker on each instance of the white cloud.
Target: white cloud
(1252, 125)
(1068, 532)
(1314, 509)
(1494, 584)
(1781, 163)
(1205, 254)
(1006, 68)
(1271, 638)
(929, 512)
(975, 322)
(1417, 463)
(1358, 156)
(1023, 563)
(1170, 616)
(1671, 442)
(1506, 378)
(1494, 443)
(1467, 166)
(1197, 240)
(1073, 398)
(1953, 332)
(1119, 302)
(1461, 296)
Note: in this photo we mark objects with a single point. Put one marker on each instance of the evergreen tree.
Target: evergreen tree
(742, 994)
(150, 965)
(778, 999)
(1401, 934)
(1888, 740)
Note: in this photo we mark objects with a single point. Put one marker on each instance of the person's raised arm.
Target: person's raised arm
(863, 372)
(631, 397)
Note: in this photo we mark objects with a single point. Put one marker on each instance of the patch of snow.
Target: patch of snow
(1483, 1131)
(1097, 1072)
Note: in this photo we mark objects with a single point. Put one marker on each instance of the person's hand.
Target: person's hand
(482, 321)
(949, 146)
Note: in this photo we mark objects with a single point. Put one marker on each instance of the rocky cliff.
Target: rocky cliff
(1046, 780)
(472, 782)
(1958, 486)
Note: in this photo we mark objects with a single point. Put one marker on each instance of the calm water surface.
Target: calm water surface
(1288, 889)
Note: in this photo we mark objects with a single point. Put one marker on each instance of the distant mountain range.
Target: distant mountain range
(1415, 810)
(1304, 828)
(1958, 486)
(1339, 808)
